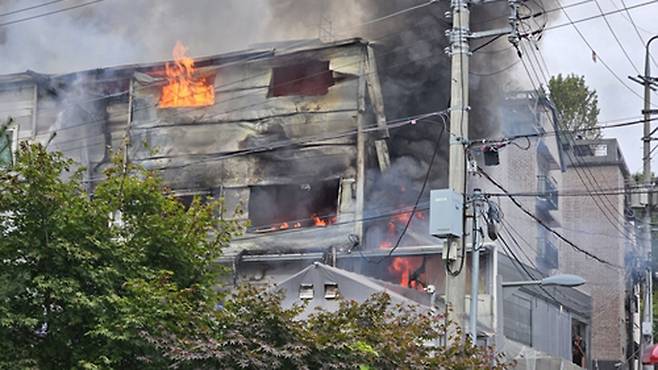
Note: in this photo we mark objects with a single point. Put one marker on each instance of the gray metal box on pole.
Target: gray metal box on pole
(446, 214)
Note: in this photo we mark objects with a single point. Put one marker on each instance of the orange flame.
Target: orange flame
(322, 222)
(184, 89)
(405, 266)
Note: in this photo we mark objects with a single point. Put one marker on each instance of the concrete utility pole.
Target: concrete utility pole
(647, 322)
(459, 51)
(648, 82)
(459, 108)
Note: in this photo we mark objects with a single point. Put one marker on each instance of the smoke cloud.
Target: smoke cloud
(413, 66)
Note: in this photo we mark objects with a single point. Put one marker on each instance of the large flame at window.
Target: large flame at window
(184, 88)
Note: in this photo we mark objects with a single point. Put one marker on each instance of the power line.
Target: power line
(404, 121)
(149, 106)
(587, 174)
(591, 48)
(396, 211)
(437, 147)
(21, 20)
(580, 20)
(299, 44)
(580, 194)
(609, 206)
(507, 227)
(614, 35)
(542, 223)
(504, 69)
(12, 12)
(521, 265)
(635, 27)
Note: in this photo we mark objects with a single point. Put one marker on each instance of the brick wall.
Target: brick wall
(584, 223)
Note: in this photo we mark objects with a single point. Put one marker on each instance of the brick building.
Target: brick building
(602, 224)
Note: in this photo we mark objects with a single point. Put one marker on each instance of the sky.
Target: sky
(98, 35)
(565, 52)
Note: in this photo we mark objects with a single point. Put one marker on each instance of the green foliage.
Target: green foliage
(254, 332)
(126, 278)
(77, 287)
(576, 103)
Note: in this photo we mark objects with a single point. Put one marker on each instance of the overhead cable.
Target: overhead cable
(21, 20)
(542, 223)
(12, 12)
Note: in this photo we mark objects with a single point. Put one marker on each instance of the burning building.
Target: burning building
(295, 139)
(287, 134)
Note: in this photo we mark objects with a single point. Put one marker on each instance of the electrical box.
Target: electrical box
(446, 213)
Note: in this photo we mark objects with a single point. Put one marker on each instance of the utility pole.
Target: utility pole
(649, 84)
(459, 51)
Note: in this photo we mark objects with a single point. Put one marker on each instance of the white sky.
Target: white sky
(565, 52)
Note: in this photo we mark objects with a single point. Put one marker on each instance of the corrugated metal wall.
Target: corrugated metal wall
(551, 329)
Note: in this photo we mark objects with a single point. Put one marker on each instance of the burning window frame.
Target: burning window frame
(313, 213)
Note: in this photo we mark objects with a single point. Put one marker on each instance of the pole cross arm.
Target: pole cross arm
(489, 33)
(640, 80)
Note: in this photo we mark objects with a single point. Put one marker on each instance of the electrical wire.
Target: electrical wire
(21, 20)
(635, 27)
(580, 20)
(504, 69)
(242, 96)
(295, 45)
(573, 23)
(524, 269)
(437, 147)
(564, 298)
(607, 209)
(557, 132)
(538, 13)
(489, 42)
(12, 12)
(614, 35)
(542, 223)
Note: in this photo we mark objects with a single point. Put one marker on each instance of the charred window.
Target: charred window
(279, 207)
(309, 78)
(187, 199)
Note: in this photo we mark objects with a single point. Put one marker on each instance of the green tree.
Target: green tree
(127, 278)
(576, 103)
(77, 287)
(254, 332)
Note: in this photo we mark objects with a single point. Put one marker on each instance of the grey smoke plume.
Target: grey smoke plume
(413, 67)
(125, 31)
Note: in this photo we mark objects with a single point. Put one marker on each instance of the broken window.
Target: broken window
(6, 147)
(279, 207)
(186, 199)
(331, 290)
(309, 78)
(306, 291)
